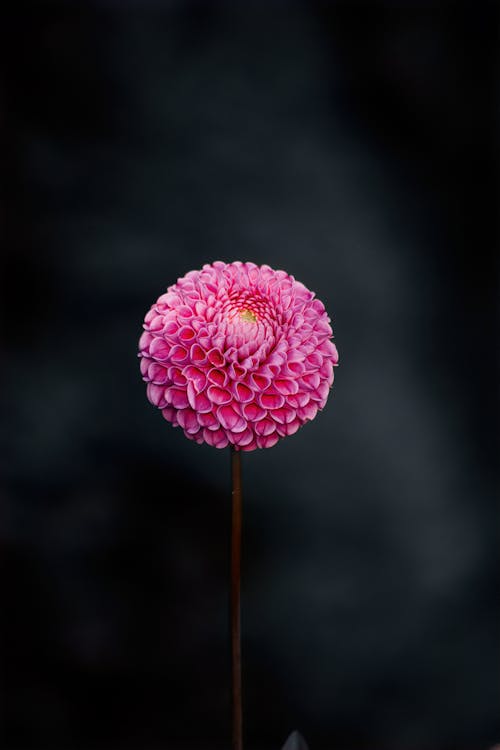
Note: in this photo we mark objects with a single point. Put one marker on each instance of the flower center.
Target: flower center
(248, 316)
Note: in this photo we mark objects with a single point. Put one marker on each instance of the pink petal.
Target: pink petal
(326, 371)
(186, 334)
(216, 438)
(329, 349)
(178, 353)
(268, 441)
(159, 349)
(170, 298)
(192, 426)
(299, 399)
(171, 328)
(156, 323)
(250, 447)
(309, 346)
(270, 400)
(314, 359)
(170, 414)
(209, 420)
(156, 395)
(202, 403)
(260, 382)
(292, 427)
(253, 272)
(273, 369)
(311, 380)
(276, 359)
(298, 321)
(197, 355)
(322, 326)
(215, 357)
(177, 398)
(144, 366)
(218, 340)
(286, 386)
(191, 394)
(204, 339)
(145, 341)
(198, 378)
(294, 368)
(236, 372)
(243, 438)
(157, 373)
(253, 413)
(188, 421)
(230, 419)
(265, 427)
(283, 415)
(294, 355)
(321, 392)
(211, 287)
(318, 306)
(176, 376)
(150, 315)
(218, 395)
(308, 412)
(184, 312)
(217, 377)
(243, 393)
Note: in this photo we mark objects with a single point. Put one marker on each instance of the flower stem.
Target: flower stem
(237, 713)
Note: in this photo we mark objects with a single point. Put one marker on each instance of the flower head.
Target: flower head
(238, 354)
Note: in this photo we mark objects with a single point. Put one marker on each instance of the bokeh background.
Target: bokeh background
(354, 145)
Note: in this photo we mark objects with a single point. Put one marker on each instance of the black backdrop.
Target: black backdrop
(354, 145)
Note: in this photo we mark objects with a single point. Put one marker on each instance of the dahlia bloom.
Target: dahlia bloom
(237, 354)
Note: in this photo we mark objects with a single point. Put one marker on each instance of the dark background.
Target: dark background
(355, 146)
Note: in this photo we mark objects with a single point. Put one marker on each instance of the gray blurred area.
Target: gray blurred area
(355, 146)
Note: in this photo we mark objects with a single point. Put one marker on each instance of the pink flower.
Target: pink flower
(238, 354)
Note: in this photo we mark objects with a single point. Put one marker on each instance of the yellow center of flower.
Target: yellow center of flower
(248, 316)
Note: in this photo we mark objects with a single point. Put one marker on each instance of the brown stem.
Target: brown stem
(235, 598)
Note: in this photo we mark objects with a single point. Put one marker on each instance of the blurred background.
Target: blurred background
(354, 145)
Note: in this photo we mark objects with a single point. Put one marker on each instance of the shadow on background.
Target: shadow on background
(355, 146)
